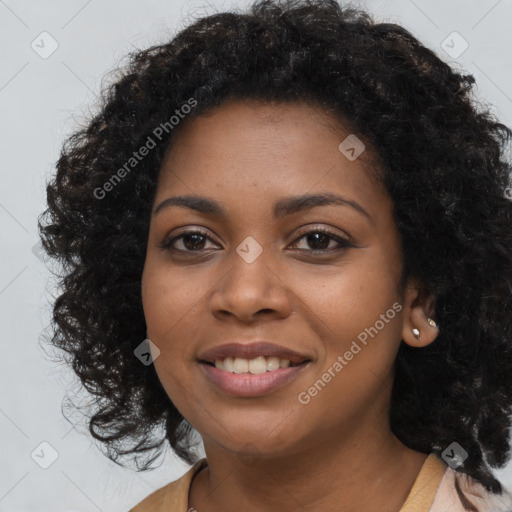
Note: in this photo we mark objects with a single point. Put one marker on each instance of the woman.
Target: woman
(288, 229)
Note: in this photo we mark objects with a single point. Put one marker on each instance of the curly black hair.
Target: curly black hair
(442, 160)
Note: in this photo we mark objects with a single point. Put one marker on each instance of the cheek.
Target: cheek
(168, 297)
(364, 301)
(361, 330)
(168, 301)
(351, 297)
(357, 314)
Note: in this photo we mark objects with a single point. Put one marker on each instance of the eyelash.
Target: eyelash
(343, 243)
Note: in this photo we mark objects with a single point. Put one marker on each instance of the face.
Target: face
(253, 260)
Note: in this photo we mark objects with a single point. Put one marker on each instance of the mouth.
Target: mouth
(253, 369)
(255, 366)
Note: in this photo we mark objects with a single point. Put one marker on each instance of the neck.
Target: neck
(365, 471)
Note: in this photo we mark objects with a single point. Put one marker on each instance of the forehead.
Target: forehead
(250, 120)
(250, 150)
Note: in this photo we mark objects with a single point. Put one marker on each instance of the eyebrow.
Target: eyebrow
(282, 208)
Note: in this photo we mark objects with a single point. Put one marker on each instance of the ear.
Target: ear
(419, 327)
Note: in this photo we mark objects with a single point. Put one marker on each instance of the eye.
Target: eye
(320, 239)
(190, 240)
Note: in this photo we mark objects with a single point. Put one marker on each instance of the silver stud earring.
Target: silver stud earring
(431, 322)
(416, 333)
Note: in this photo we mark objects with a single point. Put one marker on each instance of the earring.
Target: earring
(416, 333)
(431, 322)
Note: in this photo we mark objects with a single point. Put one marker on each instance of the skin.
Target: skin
(271, 452)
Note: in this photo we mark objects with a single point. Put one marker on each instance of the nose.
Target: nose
(251, 291)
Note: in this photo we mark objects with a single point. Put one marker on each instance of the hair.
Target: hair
(441, 159)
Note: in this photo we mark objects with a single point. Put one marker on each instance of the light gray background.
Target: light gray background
(41, 102)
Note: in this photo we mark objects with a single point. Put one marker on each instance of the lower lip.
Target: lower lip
(247, 384)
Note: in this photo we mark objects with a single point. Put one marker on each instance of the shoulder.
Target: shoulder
(171, 497)
(448, 500)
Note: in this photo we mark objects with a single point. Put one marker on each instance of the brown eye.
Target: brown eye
(319, 240)
(191, 241)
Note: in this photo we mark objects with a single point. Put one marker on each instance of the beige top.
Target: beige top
(432, 491)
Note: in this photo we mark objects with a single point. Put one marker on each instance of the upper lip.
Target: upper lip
(251, 351)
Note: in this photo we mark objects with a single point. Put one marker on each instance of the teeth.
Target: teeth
(255, 366)
(272, 363)
(258, 365)
(240, 365)
(228, 364)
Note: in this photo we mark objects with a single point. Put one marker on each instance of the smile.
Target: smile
(244, 383)
(249, 369)
(255, 366)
